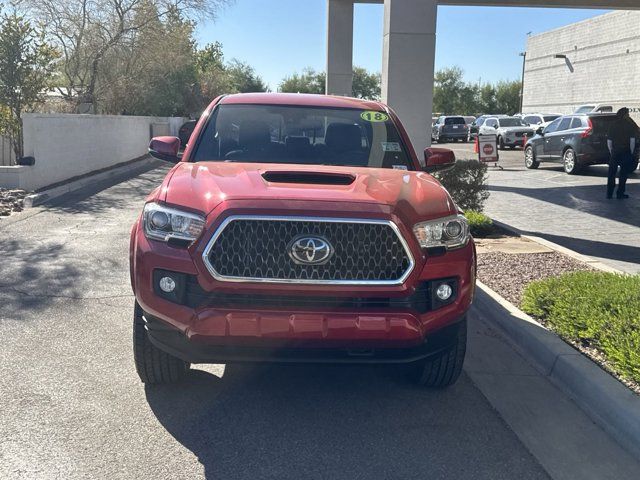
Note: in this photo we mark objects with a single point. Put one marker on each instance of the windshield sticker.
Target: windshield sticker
(371, 116)
(400, 167)
(391, 147)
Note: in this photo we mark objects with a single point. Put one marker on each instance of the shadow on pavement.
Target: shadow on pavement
(588, 199)
(33, 275)
(311, 421)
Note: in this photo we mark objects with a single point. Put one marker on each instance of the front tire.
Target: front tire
(443, 369)
(153, 365)
(530, 158)
(570, 161)
(501, 145)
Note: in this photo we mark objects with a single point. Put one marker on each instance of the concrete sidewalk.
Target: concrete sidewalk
(570, 210)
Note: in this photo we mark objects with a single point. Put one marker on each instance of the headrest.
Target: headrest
(343, 137)
(253, 133)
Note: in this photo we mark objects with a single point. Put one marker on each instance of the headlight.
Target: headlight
(163, 223)
(449, 232)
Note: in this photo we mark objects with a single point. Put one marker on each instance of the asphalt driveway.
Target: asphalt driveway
(73, 407)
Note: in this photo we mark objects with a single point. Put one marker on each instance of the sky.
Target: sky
(280, 37)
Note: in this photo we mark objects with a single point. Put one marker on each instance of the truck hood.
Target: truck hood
(202, 186)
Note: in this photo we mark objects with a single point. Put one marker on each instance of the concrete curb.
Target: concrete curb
(598, 265)
(609, 403)
(124, 171)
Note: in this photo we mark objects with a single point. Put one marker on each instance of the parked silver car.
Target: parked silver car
(510, 131)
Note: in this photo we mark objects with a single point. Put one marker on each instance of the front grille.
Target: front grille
(258, 249)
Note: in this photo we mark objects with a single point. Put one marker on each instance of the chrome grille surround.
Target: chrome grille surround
(408, 257)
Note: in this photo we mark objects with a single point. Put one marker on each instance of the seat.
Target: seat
(254, 140)
(343, 145)
(343, 137)
(298, 148)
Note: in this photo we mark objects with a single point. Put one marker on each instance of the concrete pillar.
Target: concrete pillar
(409, 50)
(339, 47)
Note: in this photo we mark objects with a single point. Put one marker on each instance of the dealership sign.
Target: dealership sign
(488, 148)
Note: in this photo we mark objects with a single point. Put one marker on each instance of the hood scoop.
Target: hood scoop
(309, 178)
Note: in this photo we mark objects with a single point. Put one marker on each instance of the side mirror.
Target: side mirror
(438, 159)
(165, 148)
(495, 126)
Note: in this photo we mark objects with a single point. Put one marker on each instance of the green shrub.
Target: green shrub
(466, 182)
(479, 224)
(598, 309)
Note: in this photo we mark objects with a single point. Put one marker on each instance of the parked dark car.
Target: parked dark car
(185, 132)
(574, 140)
(450, 128)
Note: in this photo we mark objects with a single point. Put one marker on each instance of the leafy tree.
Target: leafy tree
(508, 96)
(309, 81)
(88, 32)
(365, 84)
(452, 95)
(243, 78)
(26, 68)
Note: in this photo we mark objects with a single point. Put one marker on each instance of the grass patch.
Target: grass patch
(594, 309)
(479, 224)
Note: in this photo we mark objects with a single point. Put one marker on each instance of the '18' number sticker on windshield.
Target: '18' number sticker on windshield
(371, 116)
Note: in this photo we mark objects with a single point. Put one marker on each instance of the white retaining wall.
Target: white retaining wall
(68, 145)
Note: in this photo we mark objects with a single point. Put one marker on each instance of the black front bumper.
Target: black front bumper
(172, 341)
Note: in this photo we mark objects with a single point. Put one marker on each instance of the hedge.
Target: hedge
(597, 309)
(479, 224)
(466, 182)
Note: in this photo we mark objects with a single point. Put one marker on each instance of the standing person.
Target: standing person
(621, 140)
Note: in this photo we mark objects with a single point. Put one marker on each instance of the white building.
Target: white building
(593, 62)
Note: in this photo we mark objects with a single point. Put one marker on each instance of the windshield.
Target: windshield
(302, 135)
(511, 122)
(455, 121)
(585, 109)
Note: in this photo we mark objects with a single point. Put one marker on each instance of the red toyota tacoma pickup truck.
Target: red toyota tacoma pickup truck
(300, 228)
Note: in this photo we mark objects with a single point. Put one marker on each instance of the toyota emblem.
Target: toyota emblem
(310, 250)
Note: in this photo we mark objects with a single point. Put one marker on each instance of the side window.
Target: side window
(564, 124)
(532, 120)
(440, 121)
(605, 109)
(492, 122)
(553, 126)
(576, 123)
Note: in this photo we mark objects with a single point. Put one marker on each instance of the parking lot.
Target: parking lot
(73, 407)
(570, 210)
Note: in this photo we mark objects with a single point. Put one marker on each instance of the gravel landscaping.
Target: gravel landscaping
(11, 201)
(508, 273)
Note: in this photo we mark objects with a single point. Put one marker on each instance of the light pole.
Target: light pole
(524, 61)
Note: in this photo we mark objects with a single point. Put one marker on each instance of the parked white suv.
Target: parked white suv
(510, 131)
(539, 119)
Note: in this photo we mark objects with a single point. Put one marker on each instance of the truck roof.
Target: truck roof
(301, 99)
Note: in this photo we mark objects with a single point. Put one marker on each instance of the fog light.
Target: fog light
(167, 284)
(444, 292)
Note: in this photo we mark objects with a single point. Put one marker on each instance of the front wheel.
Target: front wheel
(501, 145)
(153, 365)
(530, 158)
(570, 162)
(443, 369)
